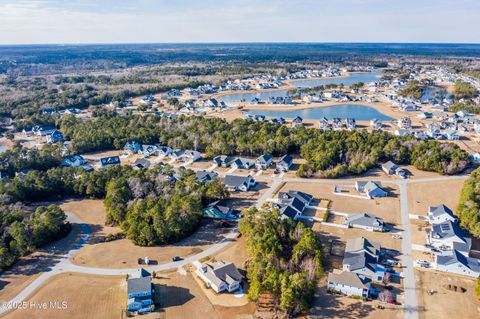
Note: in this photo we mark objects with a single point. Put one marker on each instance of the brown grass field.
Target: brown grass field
(87, 297)
(423, 195)
(444, 303)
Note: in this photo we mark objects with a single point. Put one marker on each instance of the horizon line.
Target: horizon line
(230, 43)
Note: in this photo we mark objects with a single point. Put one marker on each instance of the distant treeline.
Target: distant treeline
(23, 109)
(328, 154)
(469, 207)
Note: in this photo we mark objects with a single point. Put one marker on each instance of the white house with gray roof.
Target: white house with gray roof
(220, 276)
(448, 236)
(239, 183)
(459, 264)
(440, 214)
(349, 283)
(371, 189)
(365, 221)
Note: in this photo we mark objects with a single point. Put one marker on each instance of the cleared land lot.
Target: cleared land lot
(87, 297)
(124, 254)
(445, 303)
(423, 195)
(92, 212)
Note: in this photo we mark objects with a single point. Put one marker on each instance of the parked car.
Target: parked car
(177, 258)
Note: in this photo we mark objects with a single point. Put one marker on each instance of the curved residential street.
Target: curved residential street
(65, 265)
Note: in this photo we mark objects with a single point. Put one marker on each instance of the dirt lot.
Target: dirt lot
(87, 297)
(444, 303)
(182, 298)
(418, 231)
(91, 211)
(123, 253)
(423, 195)
(386, 208)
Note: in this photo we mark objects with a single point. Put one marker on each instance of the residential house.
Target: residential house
(405, 123)
(349, 283)
(350, 123)
(204, 176)
(55, 137)
(74, 161)
(324, 123)
(132, 147)
(177, 154)
(448, 236)
(440, 214)
(163, 150)
(40, 131)
(242, 163)
(362, 257)
(459, 264)
(264, 161)
(291, 204)
(109, 161)
(220, 276)
(218, 210)
(371, 189)
(148, 150)
(298, 121)
(391, 168)
(365, 221)
(141, 163)
(223, 160)
(376, 124)
(284, 163)
(239, 183)
(191, 156)
(139, 291)
(402, 132)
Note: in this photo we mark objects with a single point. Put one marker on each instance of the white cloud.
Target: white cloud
(86, 21)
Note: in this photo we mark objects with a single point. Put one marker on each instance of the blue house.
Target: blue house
(110, 161)
(74, 161)
(55, 137)
(133, 147)
(219, 211)
(139, 290)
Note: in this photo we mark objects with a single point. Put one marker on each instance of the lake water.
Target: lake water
(347, 81)
(354, 78)
(358, 112)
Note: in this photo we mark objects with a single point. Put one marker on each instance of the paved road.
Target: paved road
(410, 308)
(64, 265)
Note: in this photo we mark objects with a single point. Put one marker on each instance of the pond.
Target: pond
(356, 111)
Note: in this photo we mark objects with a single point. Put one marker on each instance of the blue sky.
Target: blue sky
(127, 21)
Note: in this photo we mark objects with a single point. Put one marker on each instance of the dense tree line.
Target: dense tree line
(75, 97)
(22, 233)
(463, 90)
(285, 259)
(147, 204)
(413, 89)
(468, 209)
(470, 107)
(20, 159)
(331, 154)
(153, 210)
